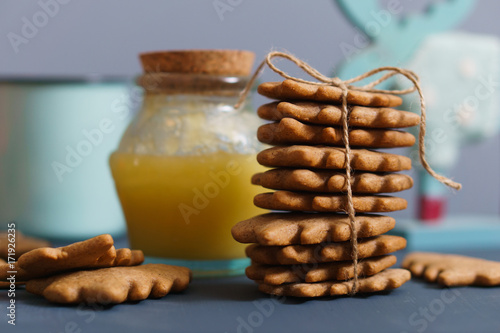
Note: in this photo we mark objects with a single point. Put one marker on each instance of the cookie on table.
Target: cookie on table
(112, 285)
(300, 156)
(307, 228)
(292, 90)
(324, 252)
(385, 280)
(331, 181)
(320, 202)
(309, 273)
(327, 114)
(92, 253)
(453, 270)
(290, 131)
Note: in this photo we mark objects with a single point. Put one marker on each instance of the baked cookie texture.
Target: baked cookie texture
(289, 131)
(92, 253)
(294, 228)
(327, 114)
(338, 270)
(386, 280)
(453, 270)
(93, 271)
(305, 250)
(331, 181)
(292, 90)
(112, 285)
(325, 252)
(332, 158)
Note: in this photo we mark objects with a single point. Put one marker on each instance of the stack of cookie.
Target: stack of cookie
(306, 251)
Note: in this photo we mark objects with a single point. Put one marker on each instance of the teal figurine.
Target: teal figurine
(459, 74)
(394, 38)
(460, 78)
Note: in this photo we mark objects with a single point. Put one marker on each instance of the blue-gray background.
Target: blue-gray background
(104, 37)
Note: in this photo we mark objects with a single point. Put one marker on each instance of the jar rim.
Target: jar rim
(192, 83)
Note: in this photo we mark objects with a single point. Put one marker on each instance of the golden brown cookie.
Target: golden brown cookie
(23, 244)
(332, 158)
(307, 228)
(290, 131)
(92, 253)
(453, 270)
(326, 114)
(340, 270)
(112, 285)
(331, 181)
(314, 202)
(385, 280)
(325, 252)
(292, 90)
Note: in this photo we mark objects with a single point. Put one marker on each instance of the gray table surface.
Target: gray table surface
(235, 305)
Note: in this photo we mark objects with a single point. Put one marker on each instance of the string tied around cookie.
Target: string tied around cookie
(345, 86)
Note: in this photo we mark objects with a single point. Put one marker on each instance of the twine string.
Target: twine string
(348, 172)
(345, 86)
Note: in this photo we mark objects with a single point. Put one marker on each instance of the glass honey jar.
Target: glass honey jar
(183, 167)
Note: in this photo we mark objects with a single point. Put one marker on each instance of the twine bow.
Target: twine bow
(346, 86)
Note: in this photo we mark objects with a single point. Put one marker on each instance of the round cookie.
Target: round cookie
(309, 273)
(300, 156)
(306, 228)
(292, 90)
(92, 253)
(331, 181)
(313, 202)
(324, 252)
(326, 114)
(290, 131)
(385, 280)
(453, 270)
(112, 285)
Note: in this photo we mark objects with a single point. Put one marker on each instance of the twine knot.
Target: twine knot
(336, 81)
(345, 86)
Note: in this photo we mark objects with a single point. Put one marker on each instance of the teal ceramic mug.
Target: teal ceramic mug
(55, 139)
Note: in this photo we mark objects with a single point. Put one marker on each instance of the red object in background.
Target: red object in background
(432, 209)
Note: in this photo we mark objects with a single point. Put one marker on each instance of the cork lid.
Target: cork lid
(215, 62)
